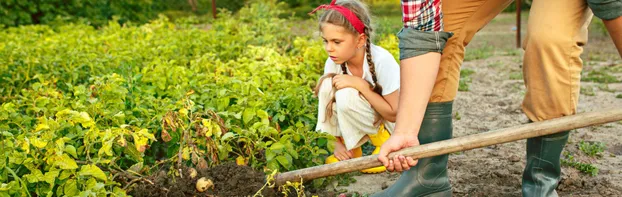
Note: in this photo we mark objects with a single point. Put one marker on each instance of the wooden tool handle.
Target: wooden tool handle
(458, 144)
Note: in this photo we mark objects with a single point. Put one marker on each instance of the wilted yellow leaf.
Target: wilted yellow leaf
(165, 136)
(41, 126)
(121, 141)
(140, 142)
(185, 153)
(241, 161)
(26, 145)
(216, 130)
(183, 112)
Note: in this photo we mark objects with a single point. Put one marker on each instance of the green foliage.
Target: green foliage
(597, 25)
(97, 12)
(600, 76)
(81, 105)
(390, 43)
(525, 6)
(588, 91)
(516, 75)
(311, 3)
(465, 79)
(592, 148)
(569, 160)
(481, 52)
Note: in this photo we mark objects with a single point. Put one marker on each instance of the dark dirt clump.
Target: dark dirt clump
(229, 180)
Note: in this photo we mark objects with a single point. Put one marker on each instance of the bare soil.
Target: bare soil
(229, 180)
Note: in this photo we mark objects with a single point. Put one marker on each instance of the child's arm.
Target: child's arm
(386, 106)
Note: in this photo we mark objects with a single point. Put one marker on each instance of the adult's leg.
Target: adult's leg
(464, 19)
(556, 32)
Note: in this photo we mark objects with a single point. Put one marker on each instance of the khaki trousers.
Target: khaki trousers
(556, 32)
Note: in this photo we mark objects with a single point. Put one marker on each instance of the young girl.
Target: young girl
(358, 94)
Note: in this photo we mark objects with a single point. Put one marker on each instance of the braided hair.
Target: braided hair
(336, 18)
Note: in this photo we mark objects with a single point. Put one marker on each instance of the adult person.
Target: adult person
(551, 71)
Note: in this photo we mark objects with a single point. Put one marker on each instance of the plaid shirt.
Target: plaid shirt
(422, 15)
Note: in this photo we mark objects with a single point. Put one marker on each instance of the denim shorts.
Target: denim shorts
(606, 9)
(414, 43)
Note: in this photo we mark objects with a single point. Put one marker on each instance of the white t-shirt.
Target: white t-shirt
(387, 69)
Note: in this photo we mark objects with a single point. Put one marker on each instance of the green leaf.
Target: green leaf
(270, 155)
(131, 151)
(119, 192)
(289, 158)
(293, 153)
(65, 162)
(87, 193)
(318, 182)
(17, 157)
(65, 174)
(71, 150)
(263, 115)
(92, 170)
(70, 188)
(227, 136)
(248, 115)
(34, 176)
(223, 103)
(283, 161)
(106, 148)
(322, 142)
(7, 134)
(277, 146)
(3, 163)
(50, 176)
(91, 184)
(273, 165)
(296, 138)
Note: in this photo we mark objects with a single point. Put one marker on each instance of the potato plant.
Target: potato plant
(85, 111)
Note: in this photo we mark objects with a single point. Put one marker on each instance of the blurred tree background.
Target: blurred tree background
(99, 12)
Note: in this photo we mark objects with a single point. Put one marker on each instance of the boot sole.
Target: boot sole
(446, 193)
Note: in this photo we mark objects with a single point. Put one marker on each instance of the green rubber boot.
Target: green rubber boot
(429, 176)
(542, 172)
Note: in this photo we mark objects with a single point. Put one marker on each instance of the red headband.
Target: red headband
(358, 25)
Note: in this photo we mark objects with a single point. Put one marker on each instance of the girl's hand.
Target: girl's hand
(345, 81)
(341, 152)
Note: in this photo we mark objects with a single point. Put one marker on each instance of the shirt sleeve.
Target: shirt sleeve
(329, 66)
(388, 74)
(422, 15)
